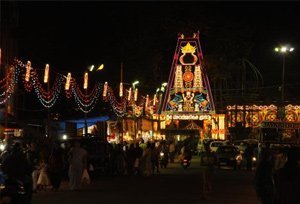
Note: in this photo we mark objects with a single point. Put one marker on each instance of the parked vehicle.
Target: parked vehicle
(215, 145)
(227, 156)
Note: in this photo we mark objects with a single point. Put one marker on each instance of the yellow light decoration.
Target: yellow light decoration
(147, 101)
(28, 67)
(129, 94)
(188, 48)
(154, 99)
(135, 94)
(100, 67)
(68, 80)
(86, 79)
(121, 90)
(105, 89)
(46, 75)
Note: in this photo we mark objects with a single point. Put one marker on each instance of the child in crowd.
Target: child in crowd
(43, 180)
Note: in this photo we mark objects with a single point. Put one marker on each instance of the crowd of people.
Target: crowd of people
(277, 177)
(43, 165)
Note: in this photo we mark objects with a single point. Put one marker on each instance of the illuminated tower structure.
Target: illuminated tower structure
(188, 101)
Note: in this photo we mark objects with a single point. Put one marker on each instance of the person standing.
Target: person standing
(248, 155)
(146, 160)
(287, 180)
(264, 182)
(171, 152)
(77, 163)
(56, 166)
(32, 156)
(17, 168)
(207, 162)
(43, 180)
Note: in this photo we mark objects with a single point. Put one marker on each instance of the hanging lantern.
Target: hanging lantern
(67, 87)
(86, 79)
(121, 90)
(135, 94)
(147, 101)
(105, 89)
(129, 94)
(46, 75)
(154, 100)
(28, 67)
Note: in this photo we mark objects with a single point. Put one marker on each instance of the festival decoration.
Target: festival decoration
(86, 78)
(188, 87)
(105, 89)
(121, 90)
(135, 94)
(68, 80)
(46, 75)
(28, 68)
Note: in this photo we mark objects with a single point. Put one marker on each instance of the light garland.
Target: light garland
(48, 97)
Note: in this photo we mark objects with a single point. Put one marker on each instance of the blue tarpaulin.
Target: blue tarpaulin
(80, 122)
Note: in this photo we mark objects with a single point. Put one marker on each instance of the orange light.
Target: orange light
(68, 80)
(46, 75)
(28, 68)
(86, 79)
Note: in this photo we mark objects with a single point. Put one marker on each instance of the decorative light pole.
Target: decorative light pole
(85, 87)
(135, 90)
(283, 50)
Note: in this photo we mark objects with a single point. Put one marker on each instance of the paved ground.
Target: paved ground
(173, 185)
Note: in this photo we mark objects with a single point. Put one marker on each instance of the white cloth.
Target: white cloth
(43, 177)
(85, 177)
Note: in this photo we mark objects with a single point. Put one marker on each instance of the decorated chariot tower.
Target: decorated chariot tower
(188, 107)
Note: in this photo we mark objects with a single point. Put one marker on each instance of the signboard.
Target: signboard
(188, 117)
(280, 125)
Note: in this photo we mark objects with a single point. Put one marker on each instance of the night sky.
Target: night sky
(70, 36)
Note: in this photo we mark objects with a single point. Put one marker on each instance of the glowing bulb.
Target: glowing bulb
(86, 79)
(121, 89)
(28, 68)
(105, 89)
(64, 137)
(129, 94)
(92, 68)
(135, 94)
(67, 86)
(100, 67)
(283, 49)
(46, 75)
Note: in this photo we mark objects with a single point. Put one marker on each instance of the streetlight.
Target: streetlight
(135, 83)
(283, 50)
